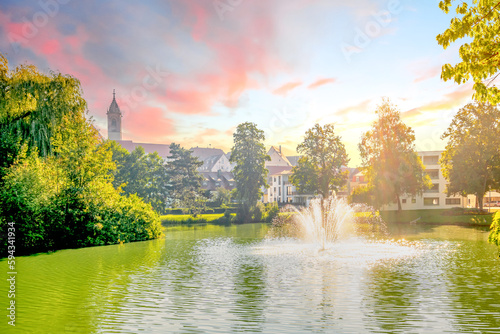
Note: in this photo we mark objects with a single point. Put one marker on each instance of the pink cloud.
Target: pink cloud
(283, 90)
(455, 98)
(148, 125)
(321, 82)
(239, 45)
(50, 47)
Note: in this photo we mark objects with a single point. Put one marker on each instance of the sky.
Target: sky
(190, 71)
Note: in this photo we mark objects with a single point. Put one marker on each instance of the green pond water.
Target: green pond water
(230, 279)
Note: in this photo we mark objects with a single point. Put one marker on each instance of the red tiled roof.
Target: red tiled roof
(163, 150)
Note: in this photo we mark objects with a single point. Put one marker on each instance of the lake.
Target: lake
(230, 279)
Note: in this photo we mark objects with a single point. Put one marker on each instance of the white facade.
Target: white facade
(280, 189)
(434, 198)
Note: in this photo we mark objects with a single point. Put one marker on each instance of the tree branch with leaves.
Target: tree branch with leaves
(479, 21)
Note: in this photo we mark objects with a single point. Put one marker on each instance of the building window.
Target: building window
(357, 178)
(453, 201)
(403, 200)
(431, 201)
(433, 173)
(413, 200)
(433, 189)
(289, 190)
(275, 179)
(431, 160)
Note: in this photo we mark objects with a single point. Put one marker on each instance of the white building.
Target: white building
(280, 189)
(435, 197)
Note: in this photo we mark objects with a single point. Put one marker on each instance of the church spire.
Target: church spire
(114, 120)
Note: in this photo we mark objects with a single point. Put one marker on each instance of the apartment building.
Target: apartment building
(435, 197)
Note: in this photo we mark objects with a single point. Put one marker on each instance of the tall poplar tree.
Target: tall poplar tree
(250, 173)
(389, 160)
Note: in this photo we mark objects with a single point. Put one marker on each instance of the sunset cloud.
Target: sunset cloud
(149, 125)
(456, 98)
(321, 82)
(283, 90)
(360, 107)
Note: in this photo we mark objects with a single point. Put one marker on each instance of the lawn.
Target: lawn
(188, 219)
(436, 217)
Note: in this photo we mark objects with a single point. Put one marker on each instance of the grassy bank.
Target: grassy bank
(444, 216)
(188, 219)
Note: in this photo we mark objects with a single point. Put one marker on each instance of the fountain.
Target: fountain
(323, 222)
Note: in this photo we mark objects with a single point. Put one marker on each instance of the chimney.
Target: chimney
(280, 149)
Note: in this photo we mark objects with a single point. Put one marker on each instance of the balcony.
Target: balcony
(433, 190)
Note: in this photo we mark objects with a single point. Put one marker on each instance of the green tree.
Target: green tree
(141, 174)
(221, 196)
(471, 161)
(32, 104)
(250, 173)
(319, 170)
(29, 187)
(389, 160)
(184, 179)
(479, 21)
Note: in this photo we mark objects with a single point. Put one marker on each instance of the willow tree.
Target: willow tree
(389, 159)
(250, 173)
(471, 161)
(319, 170)
(479, 22)
(55, 170)
(32, 104)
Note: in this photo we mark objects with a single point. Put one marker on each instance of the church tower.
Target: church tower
(114, 120)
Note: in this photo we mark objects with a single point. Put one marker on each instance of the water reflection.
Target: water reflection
(228, 279)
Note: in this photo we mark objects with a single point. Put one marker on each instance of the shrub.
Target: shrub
(272, 211)
(362, 195)
(494, 236)
(173, 211)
